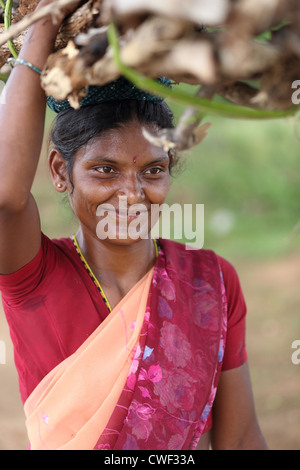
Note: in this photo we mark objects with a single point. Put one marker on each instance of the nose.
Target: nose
(132, 189)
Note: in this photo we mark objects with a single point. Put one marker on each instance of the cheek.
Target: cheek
(158, 193)
(85, 198)
(93, 190)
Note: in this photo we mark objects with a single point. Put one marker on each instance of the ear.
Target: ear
(58, 171)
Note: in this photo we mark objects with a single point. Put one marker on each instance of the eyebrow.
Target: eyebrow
(114, 161)
(162, 159)
(97, 158)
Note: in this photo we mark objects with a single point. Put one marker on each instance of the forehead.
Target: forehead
(126, 141)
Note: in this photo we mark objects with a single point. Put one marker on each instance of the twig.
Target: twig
(187, 133)
(187, 99)
(53, 9)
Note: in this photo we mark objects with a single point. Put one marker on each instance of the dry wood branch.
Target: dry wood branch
(53, 10)
(275, 84)
(80, 21)
(239, 93)
(26, 6)
(252, 17)
(209, 12)
(159, 46)
(167, 38)
(188, 132)
(244, 59)
(179, 139)
(151, 39)
(57, 76)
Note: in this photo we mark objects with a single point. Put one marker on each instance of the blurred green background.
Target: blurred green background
(247, 174)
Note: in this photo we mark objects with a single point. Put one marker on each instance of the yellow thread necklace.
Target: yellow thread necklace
(92, 275)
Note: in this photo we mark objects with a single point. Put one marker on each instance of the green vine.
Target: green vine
(7, 8)
(187, 99)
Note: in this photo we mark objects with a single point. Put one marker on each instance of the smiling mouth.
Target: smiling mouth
(124, 215)
(123, 212)
(125, 222)
(130, 216)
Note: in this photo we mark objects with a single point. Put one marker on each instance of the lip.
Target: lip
(125, 214)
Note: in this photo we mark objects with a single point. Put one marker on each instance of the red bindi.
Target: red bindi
(134, 160)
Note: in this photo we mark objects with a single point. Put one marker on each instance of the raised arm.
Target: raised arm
(22, 118)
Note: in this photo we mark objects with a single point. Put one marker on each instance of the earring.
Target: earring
(59, 185)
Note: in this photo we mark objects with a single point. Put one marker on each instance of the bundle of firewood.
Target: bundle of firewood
(246, 51)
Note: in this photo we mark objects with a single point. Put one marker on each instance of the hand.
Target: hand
(64, 11)
(41, 36)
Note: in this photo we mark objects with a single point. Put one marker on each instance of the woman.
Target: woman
(119, 343)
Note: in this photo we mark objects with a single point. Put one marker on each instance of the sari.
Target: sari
(147, 377)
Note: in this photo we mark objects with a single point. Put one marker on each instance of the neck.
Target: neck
(116, 264)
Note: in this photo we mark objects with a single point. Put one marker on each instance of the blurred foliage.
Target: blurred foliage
(247, 173)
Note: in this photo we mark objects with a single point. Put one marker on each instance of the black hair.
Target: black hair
(73, 129)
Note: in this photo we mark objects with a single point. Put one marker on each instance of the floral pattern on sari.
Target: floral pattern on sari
(177, 362)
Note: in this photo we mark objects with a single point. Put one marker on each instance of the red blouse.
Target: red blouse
(52, 305)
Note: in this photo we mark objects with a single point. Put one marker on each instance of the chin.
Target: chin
(125, 241)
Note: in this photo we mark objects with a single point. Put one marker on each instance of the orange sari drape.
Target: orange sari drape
(71, 406)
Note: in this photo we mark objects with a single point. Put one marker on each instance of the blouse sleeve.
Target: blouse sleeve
(17, 286)
(235, 350)
(235, 353)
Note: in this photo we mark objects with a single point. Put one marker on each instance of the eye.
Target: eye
(104, 169)
(153, 171)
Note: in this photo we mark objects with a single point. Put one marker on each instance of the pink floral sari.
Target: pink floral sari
(174, 364)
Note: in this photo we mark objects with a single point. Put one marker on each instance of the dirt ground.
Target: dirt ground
(272, 293)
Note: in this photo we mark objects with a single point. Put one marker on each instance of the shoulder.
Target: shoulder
(58, 248)
(232, 282)
(51, 259)
(61, 255)
(169, 246)
(190, 264)
(62, 246)
(184, 250)
(180, 254)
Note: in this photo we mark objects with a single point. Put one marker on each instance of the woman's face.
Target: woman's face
(117, 179)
